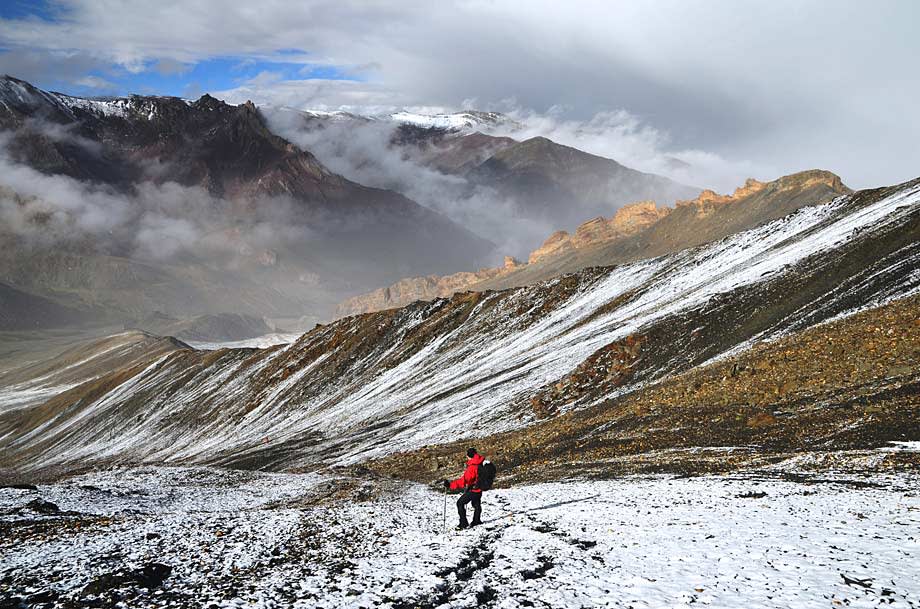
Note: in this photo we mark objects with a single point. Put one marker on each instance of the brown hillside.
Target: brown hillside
(853, 384)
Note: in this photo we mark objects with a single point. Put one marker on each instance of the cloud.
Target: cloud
(97, 83)
(623, 136)
(264, 78)
(780, 85)
(319, 94)
(54, 66)
(153, 221)
(169, 67)
(362, 151)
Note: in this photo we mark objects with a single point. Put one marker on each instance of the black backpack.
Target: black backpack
(485, 475)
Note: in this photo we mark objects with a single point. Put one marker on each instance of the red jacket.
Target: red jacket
(468, 479)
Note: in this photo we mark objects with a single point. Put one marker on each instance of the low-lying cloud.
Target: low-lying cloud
(158, 222)
(362, 151)
(627, 139)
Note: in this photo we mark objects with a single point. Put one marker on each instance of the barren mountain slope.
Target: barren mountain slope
(23, 311)
(693, 222)
(848, 385)
(481, 363)
(559, 183)
(116, 356)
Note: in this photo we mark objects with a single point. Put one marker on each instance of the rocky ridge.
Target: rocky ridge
(692, 222)
(413, 289)
(628, 220)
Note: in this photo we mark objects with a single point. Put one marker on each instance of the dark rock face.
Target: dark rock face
(226, 149)
(43, 507)
(149, 576)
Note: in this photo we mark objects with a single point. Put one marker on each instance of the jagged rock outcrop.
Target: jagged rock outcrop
(628, 220)
(638, 230)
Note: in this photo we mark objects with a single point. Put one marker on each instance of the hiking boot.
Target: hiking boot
(461, 526)
(475, 523)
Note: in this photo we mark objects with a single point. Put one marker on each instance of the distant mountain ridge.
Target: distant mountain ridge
(21, 311)
(465, 121)
(545, 173)
(534, 183)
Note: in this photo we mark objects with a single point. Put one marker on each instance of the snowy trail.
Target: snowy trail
(246, 539)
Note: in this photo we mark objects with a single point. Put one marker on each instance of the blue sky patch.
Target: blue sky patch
(190, 80)
(25, 9)
(164, 77)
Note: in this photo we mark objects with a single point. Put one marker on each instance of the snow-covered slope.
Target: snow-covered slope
(468, 366)
(464, 122)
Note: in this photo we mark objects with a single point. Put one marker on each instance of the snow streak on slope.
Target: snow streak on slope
(35, 383)
(432, 372)
(119, 107)
(260, 342)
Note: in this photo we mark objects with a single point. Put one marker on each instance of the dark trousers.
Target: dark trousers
(476, 500)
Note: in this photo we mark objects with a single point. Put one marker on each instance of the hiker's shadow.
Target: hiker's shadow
(542, 507)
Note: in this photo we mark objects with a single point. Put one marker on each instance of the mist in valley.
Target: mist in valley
(366, 151)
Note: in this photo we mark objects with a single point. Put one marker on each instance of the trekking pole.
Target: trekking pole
(444, 513)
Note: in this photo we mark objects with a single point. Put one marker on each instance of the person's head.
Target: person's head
(470, 452)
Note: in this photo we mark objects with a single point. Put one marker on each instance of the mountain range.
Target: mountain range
(141, 205)
(197, 219)
(511, 182)
(402, 379)
(233, 178)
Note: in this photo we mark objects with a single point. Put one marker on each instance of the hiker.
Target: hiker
(471, 491)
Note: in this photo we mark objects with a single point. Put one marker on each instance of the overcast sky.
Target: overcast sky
(733, 88)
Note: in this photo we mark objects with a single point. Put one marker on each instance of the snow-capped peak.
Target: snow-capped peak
(456, 120)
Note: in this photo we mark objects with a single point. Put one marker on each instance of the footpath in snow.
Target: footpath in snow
(208, 537)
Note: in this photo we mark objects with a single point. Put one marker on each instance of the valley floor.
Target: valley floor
(199, 537)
